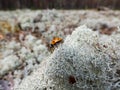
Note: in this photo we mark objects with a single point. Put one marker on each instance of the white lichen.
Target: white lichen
(15, 54)
(83, 57)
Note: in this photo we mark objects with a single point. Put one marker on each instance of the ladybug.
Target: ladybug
(56, 40)
(55, 43)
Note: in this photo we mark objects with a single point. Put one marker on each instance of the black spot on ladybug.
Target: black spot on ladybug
(72, 79)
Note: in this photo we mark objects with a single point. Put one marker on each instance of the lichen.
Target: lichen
(84, 58)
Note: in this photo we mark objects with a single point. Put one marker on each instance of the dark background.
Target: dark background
(58, 4)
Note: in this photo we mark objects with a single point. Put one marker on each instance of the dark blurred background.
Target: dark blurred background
(58, 4)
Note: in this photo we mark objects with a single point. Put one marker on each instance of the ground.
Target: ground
(26, 35)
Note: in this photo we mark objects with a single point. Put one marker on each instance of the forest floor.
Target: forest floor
(26, 37)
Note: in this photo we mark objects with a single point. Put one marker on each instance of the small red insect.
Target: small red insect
(56, 40)
(55, 43)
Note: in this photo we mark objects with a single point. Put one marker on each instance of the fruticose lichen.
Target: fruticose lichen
(85, 61)
(14, 54)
